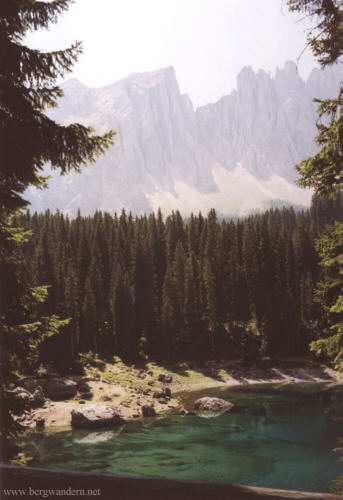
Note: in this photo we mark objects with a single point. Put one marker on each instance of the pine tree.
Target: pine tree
(250, 263)
(192, 313)
(157, 250)
(179, 280)
(329, 294)
(238, 303)
(169, 308)
(145, 289)
(72, 308)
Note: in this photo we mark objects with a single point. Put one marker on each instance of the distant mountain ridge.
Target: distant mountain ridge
(236, 155)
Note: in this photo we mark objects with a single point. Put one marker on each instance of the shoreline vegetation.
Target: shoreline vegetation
(129, 387)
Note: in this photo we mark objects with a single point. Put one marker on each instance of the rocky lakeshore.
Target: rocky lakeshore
(135, 392)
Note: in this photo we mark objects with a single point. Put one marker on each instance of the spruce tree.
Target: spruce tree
(192, 313)
(169, 310)
(324, 170)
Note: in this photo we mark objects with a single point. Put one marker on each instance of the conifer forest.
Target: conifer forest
(173, 289)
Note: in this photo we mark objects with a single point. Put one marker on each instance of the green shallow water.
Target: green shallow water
(279, 437)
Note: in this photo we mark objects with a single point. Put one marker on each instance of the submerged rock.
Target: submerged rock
(96, 437)
(96, 415)
(213, 405)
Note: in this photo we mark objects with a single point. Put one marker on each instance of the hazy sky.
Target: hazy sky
(207, 41)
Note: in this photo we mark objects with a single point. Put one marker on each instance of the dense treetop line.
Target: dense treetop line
(173, 289)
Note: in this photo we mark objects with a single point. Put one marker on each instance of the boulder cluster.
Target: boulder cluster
(35, 392)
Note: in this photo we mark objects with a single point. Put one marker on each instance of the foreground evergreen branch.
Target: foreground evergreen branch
(326, 37)
(30, 140)
(324, 172)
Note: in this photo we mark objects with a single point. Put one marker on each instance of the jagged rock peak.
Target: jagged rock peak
(236, 155)
(138, 81)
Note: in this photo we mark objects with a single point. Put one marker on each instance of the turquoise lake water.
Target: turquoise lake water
(277, 436)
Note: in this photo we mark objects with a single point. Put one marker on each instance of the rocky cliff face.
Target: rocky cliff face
(236, 155)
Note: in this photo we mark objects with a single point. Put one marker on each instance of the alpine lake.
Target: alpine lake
(276, 436)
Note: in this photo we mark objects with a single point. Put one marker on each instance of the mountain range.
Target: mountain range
(236, 155)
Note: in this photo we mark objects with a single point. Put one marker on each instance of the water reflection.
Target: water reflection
(96, 437)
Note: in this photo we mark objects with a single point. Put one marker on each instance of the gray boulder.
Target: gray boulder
(167, 392)
(26, 420)
(19, 399)
(148, 411)
(96, 415)
(59, 388)
(40, 423)
(34, 387)
(84, 390)
(83, 386)
(38, 399)
(106, 398)
(31, 384)
(213, 405)
(86, 395)
(164, 392)
(165, 377)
